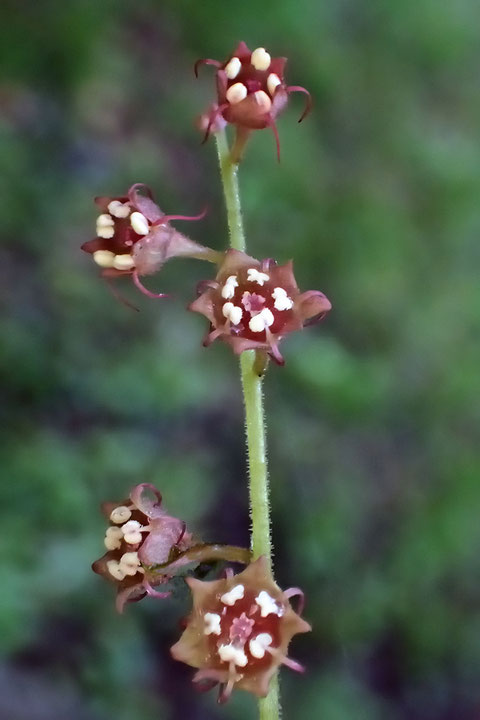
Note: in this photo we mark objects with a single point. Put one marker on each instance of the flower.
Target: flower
(239, 630)
(252, 305)
(134, 237)
(147, 547)
(141, 536)
(251, 91)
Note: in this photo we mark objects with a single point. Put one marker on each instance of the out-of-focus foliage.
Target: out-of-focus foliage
(373, 421)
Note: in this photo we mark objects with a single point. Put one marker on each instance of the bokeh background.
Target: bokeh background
(373, 420)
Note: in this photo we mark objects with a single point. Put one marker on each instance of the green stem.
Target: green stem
(261, 541)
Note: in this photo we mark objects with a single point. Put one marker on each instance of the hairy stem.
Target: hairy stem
(261, 541)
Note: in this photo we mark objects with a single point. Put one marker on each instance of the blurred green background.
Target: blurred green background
(373, 420)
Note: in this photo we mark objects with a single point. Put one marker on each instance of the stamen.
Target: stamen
(105, 220)
(262, 99)
(230, 653)
(118, 209)
(232, 312)
(232, 68)
(123, 262)
(259, 644)
(131, 532)
(113, 538)
(260, 59)
(139, 223)
(130, 563)
(104, 258)
(260, 322)
(273, 81)
(113, 567)
(228, 290)
(231, 597)
(236, 93)
(212, 624)
(282, 301)
(254, 275)
(267, 605)
(120, 514)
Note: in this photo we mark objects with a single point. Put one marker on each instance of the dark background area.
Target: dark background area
(373, 421)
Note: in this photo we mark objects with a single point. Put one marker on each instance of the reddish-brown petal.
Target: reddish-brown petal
(313, 306)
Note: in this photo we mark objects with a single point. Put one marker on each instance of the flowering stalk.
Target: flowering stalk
(261, 541)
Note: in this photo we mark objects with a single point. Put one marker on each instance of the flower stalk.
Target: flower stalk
(261, 541)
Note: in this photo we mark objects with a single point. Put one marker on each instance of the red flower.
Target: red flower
(239, 631)
(251, 91)
(134, 237)
(252, 305)
(141, 535)
(147, 547)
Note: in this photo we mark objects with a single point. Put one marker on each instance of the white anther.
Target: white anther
(105, 220)
(232, 312)
(105, 226)
(228, 290)
(230, 653)
(261, 321)
(259, 644)
(232, 68)
(113, 538)
(120, 514)
(119, 209)
(131, 532)
(123, 262)
(261, 59)
(236, 93)
(212, 624)
(282, 301)
(104, 258)
(273, 81)
(267, 604)
(130, 563)
(262, 99)
(231, 597)
(254, 275)
(113, 567)
(139, 223)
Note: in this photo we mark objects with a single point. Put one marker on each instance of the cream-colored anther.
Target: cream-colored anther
(232, 68)
(119, 209)
(123, 262)
(260, 322)
(261, 59)
(105, 226)
(282, 301)
(113, 538)
(236, 93)
(231, 597)
(231, 654)
(259, 644)
(130, 563)
(104, 258)
(131, 532)
(273, 81)
(212, 624)
(267, 604)
(232, 312)
(262, 99)
(228, 290)
(254, 275)
(113, 567)
(139, 223)
(105, 220)
(120, 514)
